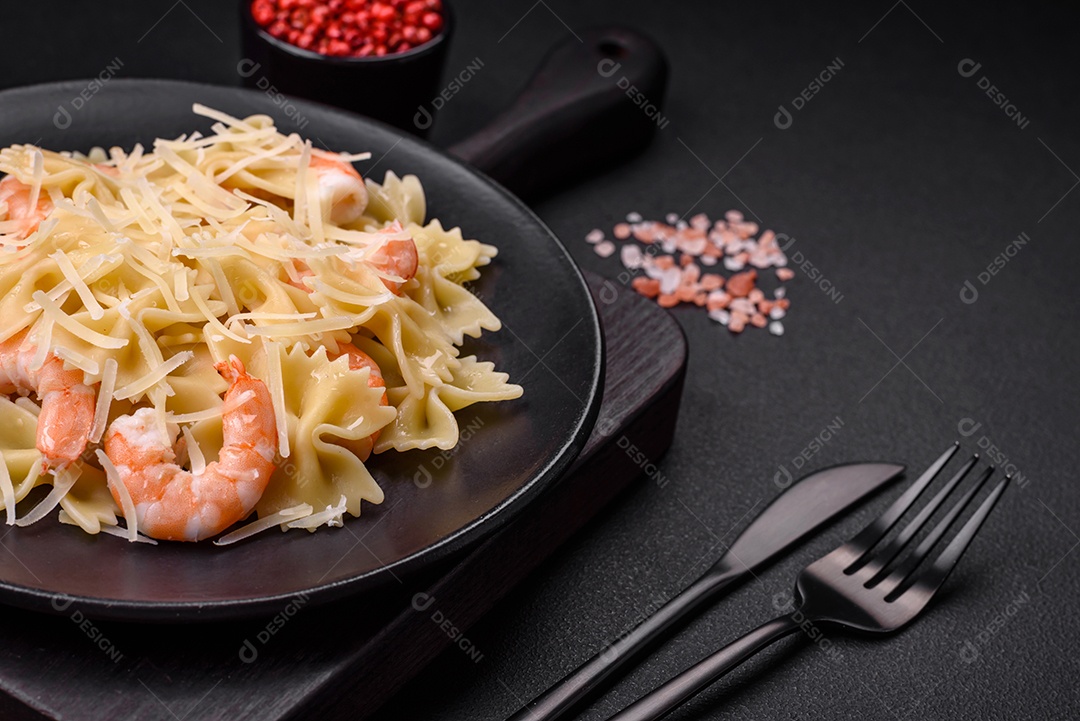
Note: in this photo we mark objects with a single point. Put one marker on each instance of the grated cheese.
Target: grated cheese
(104, 399)
(195, 454)
(212, 320)
(87, 365)
(307, 328)
(7, 489)
(62, 483)
(78, 284)
(38, 177)
(276, 386)
(66, 519)
(156, 375)
(265, 523)
(197, 416)
(332, 516)
(74, 327)
(127, 506)
(42, 337)
(28, 405)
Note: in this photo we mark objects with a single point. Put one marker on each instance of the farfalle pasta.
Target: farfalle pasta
(227, 324)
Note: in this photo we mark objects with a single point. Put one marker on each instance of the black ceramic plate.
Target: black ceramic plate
(550, 343)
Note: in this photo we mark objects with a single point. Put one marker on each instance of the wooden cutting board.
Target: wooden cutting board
(345, 659)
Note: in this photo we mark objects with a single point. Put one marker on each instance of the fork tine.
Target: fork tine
(928, 582)
(875, 567)
(866, 538)
(909, 564)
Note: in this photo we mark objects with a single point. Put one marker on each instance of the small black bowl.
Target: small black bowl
(396, 88)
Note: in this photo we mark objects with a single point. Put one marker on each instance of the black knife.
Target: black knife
(801, 509)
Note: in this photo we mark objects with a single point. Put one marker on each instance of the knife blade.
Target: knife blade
(800, 509)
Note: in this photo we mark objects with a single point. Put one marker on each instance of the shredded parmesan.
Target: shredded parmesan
(62, 483)
(276, 386)
(156, 375)
(332, 516)
(104, 400)
(197, 416)
(195, 454)
(212, 319)
(281, 518)
(74, 327)
(43, 339)
(72, 276)
(66, 518)
(86, 364)
(7, 489)
(306, 328)
(127, 506)
(28, 405)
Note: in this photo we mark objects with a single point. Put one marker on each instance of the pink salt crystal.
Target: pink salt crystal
(694, 246)
(622, 231)
(604, 248)
(595, 236)
(631, 257)
(785, 273)
(743, 305)
(670, 280)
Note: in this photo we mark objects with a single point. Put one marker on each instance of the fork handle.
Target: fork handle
(664, 699)
(565, 695)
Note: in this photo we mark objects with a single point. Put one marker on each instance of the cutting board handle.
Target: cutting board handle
(596, 100)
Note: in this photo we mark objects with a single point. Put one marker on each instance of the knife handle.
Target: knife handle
(568, 693)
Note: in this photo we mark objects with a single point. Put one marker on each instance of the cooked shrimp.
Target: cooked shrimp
(67, 402)
(17, 196)
(396, 257)
(359, 359)
(341, 189)
(178, 505)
